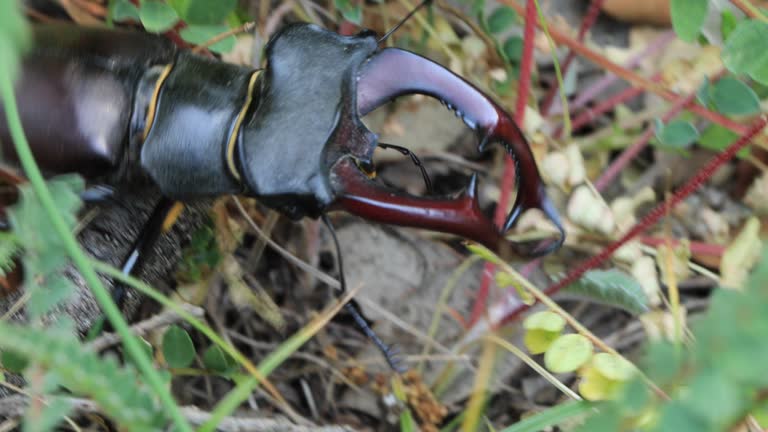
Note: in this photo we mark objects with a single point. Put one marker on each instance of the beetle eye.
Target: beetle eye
(366, 33)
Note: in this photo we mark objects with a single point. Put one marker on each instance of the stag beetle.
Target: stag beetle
(124, 105)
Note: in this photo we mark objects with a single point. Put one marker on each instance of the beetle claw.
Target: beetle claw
(471, 190)
(357, 194)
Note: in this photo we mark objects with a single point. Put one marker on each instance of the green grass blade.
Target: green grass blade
(552, 416)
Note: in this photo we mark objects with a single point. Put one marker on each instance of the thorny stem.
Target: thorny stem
(102, 296)
(653, 216)
(600, 86)
(588, 115)
(634, 78)
(633, 150)
(589, 20)
(508, 176)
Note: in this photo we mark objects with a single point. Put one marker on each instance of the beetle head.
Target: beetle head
(304, 146)
(286, 149)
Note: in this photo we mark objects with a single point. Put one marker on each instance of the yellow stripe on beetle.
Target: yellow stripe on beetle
(236, 130)
(152, 109)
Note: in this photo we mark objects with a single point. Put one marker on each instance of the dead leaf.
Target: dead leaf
(589, 211)
(660, 325)
(757, 195)
(741, 255)
(644, 270)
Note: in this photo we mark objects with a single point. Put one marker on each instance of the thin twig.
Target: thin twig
(162, 319)
(323, 277)
(23, 393)
(245, 28)
(749, 9)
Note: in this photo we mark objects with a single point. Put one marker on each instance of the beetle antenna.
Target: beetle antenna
(402, 21)
(390, 352)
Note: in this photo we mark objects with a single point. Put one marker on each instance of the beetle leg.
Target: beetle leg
(394, 72)
(163, 217)
(389, 351)
(98, 194)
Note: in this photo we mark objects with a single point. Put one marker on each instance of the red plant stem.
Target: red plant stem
(589, 114)
(653, 216)
(599, 87)
(526, 68)
(508, 176)
(633, 150)
(589, 20)
(695, 247)
(632, 77)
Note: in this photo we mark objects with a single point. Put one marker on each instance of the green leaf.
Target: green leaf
(351, 12)
(538, 341)
(116, 390)
(568, 353)
(724, 403)
(613, 367)
(677, 134)
(608, 420)
(55, 290)
(687, 18)
(9, 248)
(733, 97)
(200, 34)
(675, 416)
(744, 51)
(544, 320)
(178, 350)
(718, 138)
(203, 12)
(728, 22)
(612, 287)
(215, 359)
(47, 416)
(501, 19)
(595, 386)
(157, 16)
(13, 362)
(15, 37)
(200, 256)
(124, 10)
(663, 362)
(513, 48)
(703, 94)
(43, 259)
